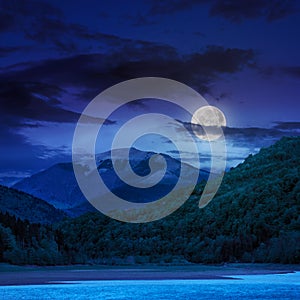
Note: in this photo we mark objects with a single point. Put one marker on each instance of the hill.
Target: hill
(254, 218)
(25, 206)
(56, 185)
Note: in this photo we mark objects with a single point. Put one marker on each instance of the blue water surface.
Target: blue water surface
(285, 286)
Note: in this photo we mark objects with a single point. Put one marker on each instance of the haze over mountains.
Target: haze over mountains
(58, 186)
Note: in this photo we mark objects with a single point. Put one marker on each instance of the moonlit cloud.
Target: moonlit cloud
(242, 56)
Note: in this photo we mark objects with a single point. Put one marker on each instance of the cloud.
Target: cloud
(98, 71)
(251, 132)
(139, 19)
(292, 126)
(172, 6)
(292, 71)
(197, 69)
(45, 25)
(258, 136)
(17, 153)
(232, 10)
(34, 93)
(30, 104)
(8, 50)
(33, 100)
(7, 21)
(240, 142)
(283, 70)
(254, 138)
(70, 37)
(237, 11)
(261, 134)
(17, 15)
(37, 21)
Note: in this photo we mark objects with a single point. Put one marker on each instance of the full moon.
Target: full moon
(207, 122)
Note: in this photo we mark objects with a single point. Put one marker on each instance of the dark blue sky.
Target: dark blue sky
(56, 56)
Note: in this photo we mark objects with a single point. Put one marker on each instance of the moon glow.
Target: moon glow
(207, 122)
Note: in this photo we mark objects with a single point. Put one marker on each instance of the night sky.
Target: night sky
(56, 56)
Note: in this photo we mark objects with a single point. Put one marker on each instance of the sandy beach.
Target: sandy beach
(26, 275)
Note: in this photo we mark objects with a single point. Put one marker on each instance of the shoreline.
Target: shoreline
(34, 275)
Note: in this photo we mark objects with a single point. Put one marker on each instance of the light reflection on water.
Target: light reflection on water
(285, 286)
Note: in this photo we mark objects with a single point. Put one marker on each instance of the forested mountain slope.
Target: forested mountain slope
(25, 206)
(254, 218)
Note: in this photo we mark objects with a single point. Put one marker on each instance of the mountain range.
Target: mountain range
(255, 217)
(57, 185)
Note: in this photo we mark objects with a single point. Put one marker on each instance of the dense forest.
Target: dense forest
(24, 243)
(253, 218)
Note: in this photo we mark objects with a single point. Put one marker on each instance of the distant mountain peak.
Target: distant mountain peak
(57, 185)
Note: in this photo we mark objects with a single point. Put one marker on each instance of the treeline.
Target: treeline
(254, 218)
(24, 243)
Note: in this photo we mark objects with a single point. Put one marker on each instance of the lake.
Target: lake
(279, 286)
